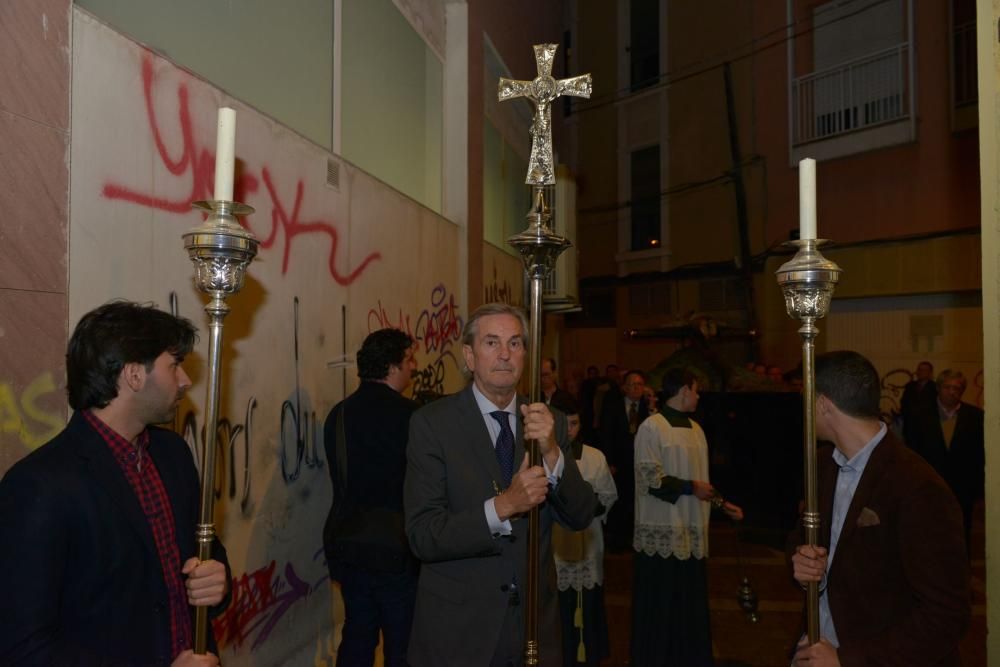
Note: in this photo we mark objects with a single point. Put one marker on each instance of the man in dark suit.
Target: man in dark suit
(621, 415)
(98, 524)
(366, 548)
(467, 493)
(551, 393)
(588, 395)
(891, 563)
(949, 435)
(917, 401)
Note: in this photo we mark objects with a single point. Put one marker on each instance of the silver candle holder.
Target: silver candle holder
(807, 281)
(221, 250)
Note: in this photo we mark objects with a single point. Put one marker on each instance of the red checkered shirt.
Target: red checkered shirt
(145, 481)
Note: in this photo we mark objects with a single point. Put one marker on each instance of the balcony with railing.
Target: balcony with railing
(856, 95)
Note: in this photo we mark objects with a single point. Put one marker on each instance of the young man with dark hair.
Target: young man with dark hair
(670, 619)
(891, 563)
(98, 524)
(365, 439)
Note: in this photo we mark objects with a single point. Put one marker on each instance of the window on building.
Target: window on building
(598, 305)
(645, 199)
(506, 199)
(644, 42)
(860, 72)
(506, 146)
(392, 97)
(649, 300)
(276, 60)
(720, 295)
(965, 74)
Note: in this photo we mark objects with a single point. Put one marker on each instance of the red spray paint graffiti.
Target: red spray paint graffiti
(199, 162)
(292, 228)
(260, 599)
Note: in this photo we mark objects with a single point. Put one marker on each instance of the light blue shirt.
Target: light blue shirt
(498, 527)
(847, 483)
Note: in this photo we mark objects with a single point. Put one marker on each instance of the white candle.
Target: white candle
(225, 154)
(807, 199)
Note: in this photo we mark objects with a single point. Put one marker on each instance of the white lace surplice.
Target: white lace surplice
(579, 555)
(670, 529)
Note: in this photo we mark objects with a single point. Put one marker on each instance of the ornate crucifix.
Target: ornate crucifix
(539, 248)
(542, 90)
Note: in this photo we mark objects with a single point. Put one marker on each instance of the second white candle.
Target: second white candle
(807, 199)
(225, 154)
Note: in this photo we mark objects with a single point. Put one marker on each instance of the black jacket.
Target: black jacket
(365, 524)
(615, 440)
(963, 464)
(84, 584)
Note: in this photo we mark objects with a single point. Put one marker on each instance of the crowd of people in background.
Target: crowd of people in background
(646, 463)
(933, 425)
(426, 535)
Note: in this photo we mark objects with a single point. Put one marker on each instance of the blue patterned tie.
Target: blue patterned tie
(505, 446)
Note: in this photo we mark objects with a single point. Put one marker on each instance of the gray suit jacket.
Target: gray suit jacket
(463, 593)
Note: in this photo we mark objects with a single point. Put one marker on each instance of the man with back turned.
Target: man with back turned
(365, 438)
(891, 561)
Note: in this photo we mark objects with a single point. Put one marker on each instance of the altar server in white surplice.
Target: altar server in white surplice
(579, 556)
(670, 619)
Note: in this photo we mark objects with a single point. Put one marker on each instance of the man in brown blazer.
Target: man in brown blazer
(892, 566)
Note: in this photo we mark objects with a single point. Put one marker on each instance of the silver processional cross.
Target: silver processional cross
(542, 90)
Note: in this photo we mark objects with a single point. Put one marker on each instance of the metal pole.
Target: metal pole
(810, 517)
(205, 530)
(539, 249)
(221, 251)
(531, 649)
(808, 281)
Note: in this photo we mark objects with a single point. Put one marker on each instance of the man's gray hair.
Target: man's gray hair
(472, 326)
(948, 374)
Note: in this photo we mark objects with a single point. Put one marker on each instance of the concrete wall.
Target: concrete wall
(277, 57)
(34, 200)
(339, 257)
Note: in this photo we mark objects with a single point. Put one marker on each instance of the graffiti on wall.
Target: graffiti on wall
(22, 416)
(298, 423)
(233, 444)
(260, 599)
(894, 382)
(892, 385)
(197, 164)
(499, 290)
(435, 330)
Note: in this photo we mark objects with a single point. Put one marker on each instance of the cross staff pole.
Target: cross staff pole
(539, 248)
